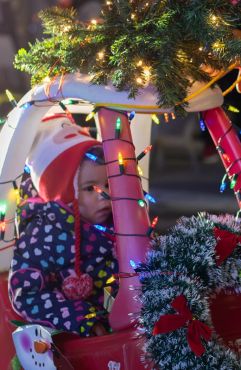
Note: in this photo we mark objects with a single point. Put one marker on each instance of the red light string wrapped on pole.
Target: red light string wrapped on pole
(131, 221)
(228, 145)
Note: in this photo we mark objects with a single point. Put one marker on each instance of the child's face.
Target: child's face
(93, 207)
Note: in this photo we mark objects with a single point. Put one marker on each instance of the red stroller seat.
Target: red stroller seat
(6, 315)
(122, 350)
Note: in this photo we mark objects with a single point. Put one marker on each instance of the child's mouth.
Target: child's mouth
(103, 211)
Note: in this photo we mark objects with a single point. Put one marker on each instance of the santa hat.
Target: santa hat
(55, 156)
(54, 159)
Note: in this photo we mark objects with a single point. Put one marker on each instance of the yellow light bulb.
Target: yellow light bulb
(110, 280)
(214, 20)
(166, 117)
(94, 22)
(90, 116)
(233, 109)
(120, 159)
(147, 72)
(139, 80)
(11, 98)
(14, 195)
(155, 119)
(101, 55)
(90, 315)
(46, 79)
(66, 28)
(218, 45)
(140, 171)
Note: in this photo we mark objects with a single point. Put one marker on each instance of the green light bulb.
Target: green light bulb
(141, 203)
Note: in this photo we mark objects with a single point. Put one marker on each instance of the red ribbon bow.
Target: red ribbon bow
(226, 243)
(196, 330)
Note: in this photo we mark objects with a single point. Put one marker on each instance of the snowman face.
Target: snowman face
(25, 339)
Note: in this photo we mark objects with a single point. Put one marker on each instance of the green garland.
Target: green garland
(162, 42)
(184, 263)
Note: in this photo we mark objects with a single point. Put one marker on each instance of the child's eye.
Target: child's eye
(89, 188)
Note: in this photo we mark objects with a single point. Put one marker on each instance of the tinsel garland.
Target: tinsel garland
(136, 42)
(184, 262)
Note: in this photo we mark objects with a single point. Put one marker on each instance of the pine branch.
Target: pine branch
(163, 42)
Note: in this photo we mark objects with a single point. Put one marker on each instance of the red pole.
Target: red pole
(227, 143)
(131, 221)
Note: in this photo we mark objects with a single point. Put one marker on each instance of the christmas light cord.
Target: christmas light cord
(121, 234)
(232, 164)
(225, 133)
(126, 174)
(237, 176)
(8, 246)
(11, 181)
(98, 106)
(123, 172)
(114, 199)
(124, 159)
(125, 275)
(7, 241)
(120, 139)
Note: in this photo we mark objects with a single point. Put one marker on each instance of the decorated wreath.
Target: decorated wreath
(186, 268)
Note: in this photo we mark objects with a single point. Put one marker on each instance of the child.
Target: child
(61, 261)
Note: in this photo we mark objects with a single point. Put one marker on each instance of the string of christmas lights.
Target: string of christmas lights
(140, 201)
(67, 112)
(220, 148)
(11, 98)
(232, 177)
(14, 194)
(122, 171)
(11, 181)
(113, 139)
(201, 123)
(120, 160)
(137, 267)
(226, 151)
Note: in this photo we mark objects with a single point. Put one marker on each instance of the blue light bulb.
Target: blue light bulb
(133, 264)
(91, 156)
(26, 168)
(104, 229)
(222, 187)
(101, 228)
(132, 115)
(150, 198)
(27, 104)
(202, 125)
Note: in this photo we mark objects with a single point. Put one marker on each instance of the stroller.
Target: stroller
(124, 348)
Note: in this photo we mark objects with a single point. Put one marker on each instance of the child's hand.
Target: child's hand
(98, 330)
